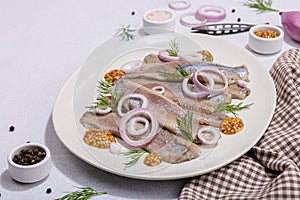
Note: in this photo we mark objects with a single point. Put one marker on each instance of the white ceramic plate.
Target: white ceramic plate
(66, 117)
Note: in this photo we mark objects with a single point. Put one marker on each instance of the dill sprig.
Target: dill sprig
(103, 87)
(116, 96)
(101, 102)
(134, 155)
(232, 108)
(125, 32)
(180, 73)
(84, 194)
(185, 125)
(261, 6)
(174, 48)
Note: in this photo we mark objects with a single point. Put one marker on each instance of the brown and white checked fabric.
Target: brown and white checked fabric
(271, 169)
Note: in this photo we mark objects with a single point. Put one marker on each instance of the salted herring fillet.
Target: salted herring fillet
(167, 111)
(172, 149)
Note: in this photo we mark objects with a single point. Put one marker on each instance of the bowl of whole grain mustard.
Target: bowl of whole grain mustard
(265, 39)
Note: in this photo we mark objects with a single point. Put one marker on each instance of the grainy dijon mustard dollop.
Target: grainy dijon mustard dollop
(152, 159)
(232, 125)
(113, 75)
(97, 138)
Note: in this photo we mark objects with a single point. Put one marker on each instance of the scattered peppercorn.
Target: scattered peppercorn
(233, 10)
(29, 156)
(11, 128)
(132, 13)
(238, 19)
(49, 190)
(28, 141)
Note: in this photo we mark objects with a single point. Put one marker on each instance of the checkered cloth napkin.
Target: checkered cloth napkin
(271, 169)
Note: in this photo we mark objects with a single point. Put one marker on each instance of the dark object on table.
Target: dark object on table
(222, 29)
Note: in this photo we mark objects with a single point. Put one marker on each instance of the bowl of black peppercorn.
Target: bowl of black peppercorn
(29, 163)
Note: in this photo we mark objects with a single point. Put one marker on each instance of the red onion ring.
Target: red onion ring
(208, 135)
(210, 89)
(131, 66)
(177, 4)
(190, 24)
(190, 94)
(242, 83)
(160, 89)
(102, 110)
(164, 55)
(144, 140)
(135, 120)
(204, 12)
(128, 96)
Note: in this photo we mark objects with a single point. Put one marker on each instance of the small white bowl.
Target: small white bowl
(158, 21)
(29, 173)
(265, 45)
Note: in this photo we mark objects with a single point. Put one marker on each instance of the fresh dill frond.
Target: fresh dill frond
(85, 193)
(183, 72)
(232, 108)
(101, 102)
(185, 125)
(103, 87)
(125, 32)
(134, 155)
(174, 48)
(261, 6)
(116, 96)
(179, 73)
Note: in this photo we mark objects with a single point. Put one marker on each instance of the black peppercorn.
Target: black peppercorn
(233, 10)
(29, 156)
(132, 13)
(11, 128)
(48, 191)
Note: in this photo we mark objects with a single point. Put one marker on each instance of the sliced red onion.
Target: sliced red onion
(205, 12)
(208, 135)
(143, 139)
(191, 57)
(102, 110)
(191, 24)
(179, 4)
(160, 89)
(115, 148)
(210, 89)
(242, 83)
(290, 21)
(129, 96)
(164, 56)
(190, 94)
(132, 126)
(131, 66)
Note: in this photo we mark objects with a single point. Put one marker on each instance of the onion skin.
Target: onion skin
(291, 23)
